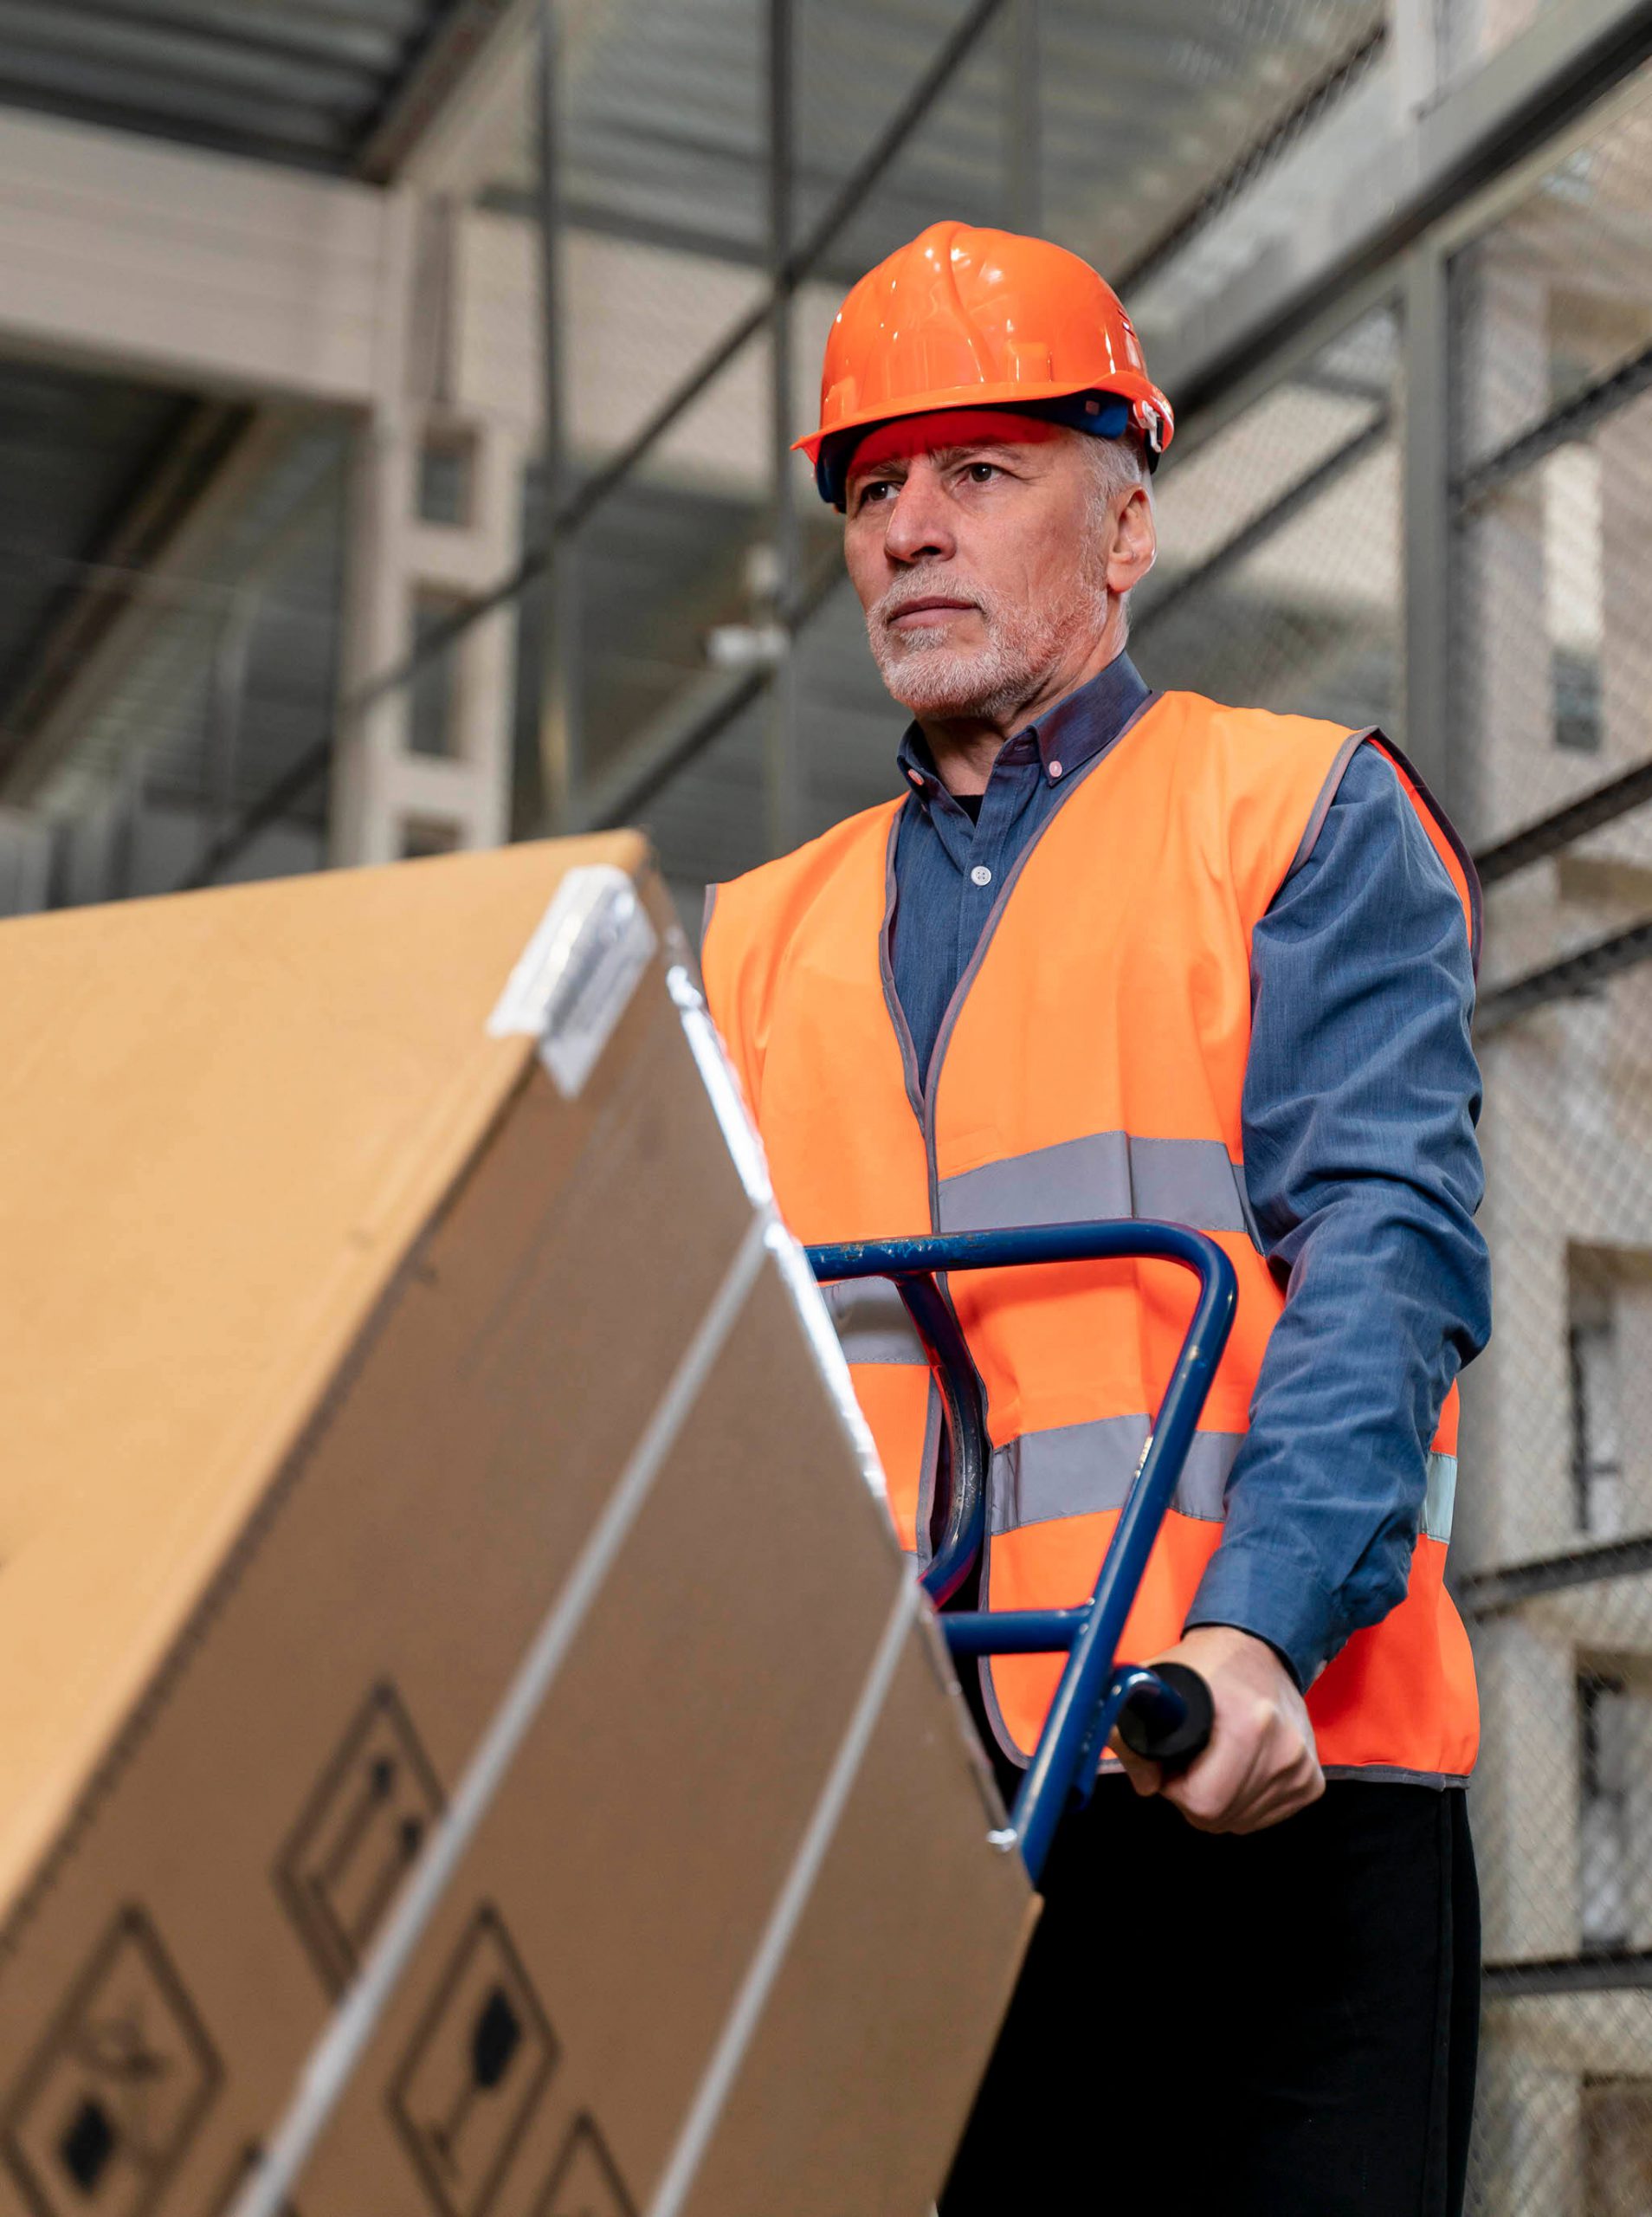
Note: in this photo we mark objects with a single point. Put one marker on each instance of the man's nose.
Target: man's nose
(917, 527)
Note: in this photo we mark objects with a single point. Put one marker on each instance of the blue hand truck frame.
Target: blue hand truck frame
(1164, 1714)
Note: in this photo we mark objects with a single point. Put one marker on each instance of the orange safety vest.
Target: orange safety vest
(1090, 1064)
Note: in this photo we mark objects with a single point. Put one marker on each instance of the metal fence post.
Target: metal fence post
(225, 704)
(782, 770)
(558, 704)
(1427, 690)
(1023, 118)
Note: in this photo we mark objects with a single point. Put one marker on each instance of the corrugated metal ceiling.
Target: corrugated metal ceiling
(302, 81)
(305, 82)
(1145, 103)
(72, 450)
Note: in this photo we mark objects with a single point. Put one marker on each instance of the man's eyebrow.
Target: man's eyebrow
(943, 456)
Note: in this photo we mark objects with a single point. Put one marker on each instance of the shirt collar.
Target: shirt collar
(1064, 740)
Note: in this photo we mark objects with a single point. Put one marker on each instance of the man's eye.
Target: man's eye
(871, 490)
(981, 472)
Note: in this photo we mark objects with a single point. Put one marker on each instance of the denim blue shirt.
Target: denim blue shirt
(1360, 1163)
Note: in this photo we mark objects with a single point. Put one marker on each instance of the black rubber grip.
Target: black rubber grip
(1174, 1750)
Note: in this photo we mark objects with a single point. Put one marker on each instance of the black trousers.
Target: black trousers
(1278, 2025)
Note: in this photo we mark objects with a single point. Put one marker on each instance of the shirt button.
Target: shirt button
(1055, 769)
(980, 875)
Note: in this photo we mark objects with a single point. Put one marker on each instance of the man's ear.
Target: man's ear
(1134, 546)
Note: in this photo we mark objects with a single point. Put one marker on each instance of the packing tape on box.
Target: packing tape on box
(572, 985)
(576, 976)
(332, 2061)
(740, 1135)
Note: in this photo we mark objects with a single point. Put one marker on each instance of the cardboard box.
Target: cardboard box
(467, 1746)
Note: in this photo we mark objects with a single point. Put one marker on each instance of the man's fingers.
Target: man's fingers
(1226, 1775)
(1294, 1789)
(1269, 1774)
(1284, 1778)
(1146, 1777)
(1261, 1765)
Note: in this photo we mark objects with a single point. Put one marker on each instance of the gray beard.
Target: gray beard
(930, 678)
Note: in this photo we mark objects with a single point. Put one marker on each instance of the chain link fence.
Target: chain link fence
(1278, 577)
(1125, 137)
(704, 674)
(1281, 584)
(1551, 341)
(185, 686)
(710, 660)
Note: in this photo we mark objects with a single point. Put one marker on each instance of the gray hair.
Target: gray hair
(1117, 464)
(1116, 467)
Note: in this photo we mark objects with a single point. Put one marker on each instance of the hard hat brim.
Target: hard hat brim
(1140, 390)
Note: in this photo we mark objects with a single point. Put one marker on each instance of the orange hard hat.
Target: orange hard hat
(971, 319)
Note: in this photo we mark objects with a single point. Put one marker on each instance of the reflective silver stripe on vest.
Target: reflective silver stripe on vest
(1106, 1174)
(1076, 1469)
(1442, 1497)
(872, 1323)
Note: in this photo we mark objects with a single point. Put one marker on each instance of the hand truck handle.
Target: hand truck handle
(1092, 1692)
(1172, 1732)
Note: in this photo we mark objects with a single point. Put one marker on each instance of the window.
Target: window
(1617, 2146)
(1596, 1400)
(1573, 593)
(421, 838)
(1577, 700)
(447, 479)
(1602, 1833)
(434, 698)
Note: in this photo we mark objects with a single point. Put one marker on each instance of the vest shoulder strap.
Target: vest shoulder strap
(1264, 756)
(1256, 777)
(750, 923)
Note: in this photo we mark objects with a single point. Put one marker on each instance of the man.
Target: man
(1114, 951)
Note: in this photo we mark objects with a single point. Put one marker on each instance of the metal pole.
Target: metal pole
(226, 698)
(1414, 33)
(1432, 736)
(121, 864)
(1023, 113)
(312, 766)
(1259, 529)
(560, 749)
(782, 812)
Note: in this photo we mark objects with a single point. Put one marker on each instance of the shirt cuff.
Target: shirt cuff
(1270, 1597)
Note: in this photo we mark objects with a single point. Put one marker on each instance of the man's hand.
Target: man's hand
(1261, 1766)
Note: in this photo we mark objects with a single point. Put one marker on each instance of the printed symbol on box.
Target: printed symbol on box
(585, 2183)
(360, 1833)
(109, 2105)
(478, 2067)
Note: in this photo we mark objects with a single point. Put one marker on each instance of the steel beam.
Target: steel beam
(1575, 419)
(1563, 827)
(782, 771)
(1530, 90)
(560, 747)
(201, 270)
(1262, 527)
(1262, 154)
(1490, 1592)
(1024, 119)
(1431, 732)
(699, 714)
(801, 263)
(466, 40)
(1570, 978)
(1614, 1970)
